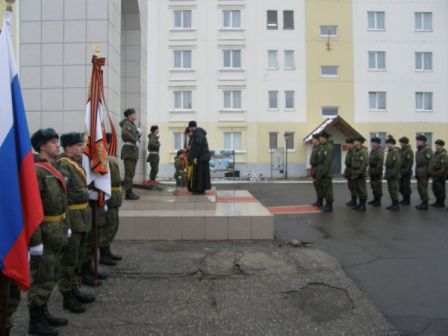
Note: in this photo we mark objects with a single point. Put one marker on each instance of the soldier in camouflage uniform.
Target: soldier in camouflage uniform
(13, 303)
(80, 216)
(407, 162)
(313, 163)
(439, 165)
(348, 174)
(360, 160)
(423, 158)
(130, 135)
(50, 238)
(324, 173)
(109, 230)
(376, 162)
(179, 169)
(153, 152)
(392, 175)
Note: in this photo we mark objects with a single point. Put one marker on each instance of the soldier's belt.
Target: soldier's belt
(129, 144)
(56, 218)
(78, 206)
(116, 189)
(154, 153)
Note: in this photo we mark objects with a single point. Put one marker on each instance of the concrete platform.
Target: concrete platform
(174, 215)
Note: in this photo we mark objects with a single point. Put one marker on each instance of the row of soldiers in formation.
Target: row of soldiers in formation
(63, 246)
(396, 168)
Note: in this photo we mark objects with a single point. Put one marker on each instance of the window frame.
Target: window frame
(182, 18)
(328, 35)
(276, 59)
(182, 59)
(285, 19)
(292, 52)
(182, 140)
(377, 95)
(375, 14)
(293, 92)
(269, 141)
(329, 66)
(423, 61)
(422, 21)
(269, 25)
(376, 54)
(232, 140)
(183, 101)
(231, 19)
(231, 59)
(424, 94)
(329, 107)
(293, 149)
(232, 100)
(276, 108)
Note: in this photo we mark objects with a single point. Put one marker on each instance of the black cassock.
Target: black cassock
(200, 179)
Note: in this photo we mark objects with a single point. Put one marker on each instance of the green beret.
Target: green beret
(440, 142)
(128, 112)
(391, 140)
(42, 136)
(70, 139)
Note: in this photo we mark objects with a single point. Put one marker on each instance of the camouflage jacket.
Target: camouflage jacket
(407, 160)
(393, 164)
(360, 160)
(348, 164)
(423, 158)
(376, 162)
(51, 232)
(324, 160)
(314, 160)
(130, 136)
(153, 147)
(439, 164)
(116, 198)
(77, 192)
(179, 168)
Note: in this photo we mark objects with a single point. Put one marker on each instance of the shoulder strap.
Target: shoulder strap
(53, 171)
(75, 165)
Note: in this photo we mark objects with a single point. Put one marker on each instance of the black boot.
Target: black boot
(131, 196)
(319, 203)
(105, 258)
(376, 202)
(352, 203)
(87, 277)
(38, 325)
(422, 206)
(82, 297)
(53, 320)
(361, 207)
(113, 256)
(394, 207)
(71, 304)
(406, 200)
(439, 203)
(328, 207)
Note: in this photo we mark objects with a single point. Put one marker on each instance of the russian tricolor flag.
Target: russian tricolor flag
(20, 203)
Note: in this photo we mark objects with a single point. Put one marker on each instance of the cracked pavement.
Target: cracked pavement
(223, 288)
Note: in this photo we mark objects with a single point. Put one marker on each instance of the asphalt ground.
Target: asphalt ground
(398, 259)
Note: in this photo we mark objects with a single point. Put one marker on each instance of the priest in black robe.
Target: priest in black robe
(199, 157)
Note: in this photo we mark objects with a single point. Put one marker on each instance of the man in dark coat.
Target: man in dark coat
(199, 157)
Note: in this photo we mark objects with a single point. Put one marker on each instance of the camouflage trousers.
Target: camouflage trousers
(393, 186)
(100, 219)
(422, 187)
(13, 301)
(405, 186)
(72, 260)
(376, 183)
(325, 188)
(108, 231)
(45, 271)
(154, 163)
(351, 187)
(438, 187)
(129, 173)
(361, 188)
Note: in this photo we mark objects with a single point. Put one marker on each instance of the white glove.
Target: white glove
(69, 233)
(105, 208)
(37, 250)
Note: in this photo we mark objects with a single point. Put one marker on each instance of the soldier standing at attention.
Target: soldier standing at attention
(129, 152)
(313, 163)
(324, 173)
(348, 174)
(423, 158)
(407, 161)
(50, 238)
(80, 215)
(438, 172)
(376, 162)
(393, 164)
(360, 160)
(153, 152)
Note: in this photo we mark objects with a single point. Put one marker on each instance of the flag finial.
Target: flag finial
(9, 4)
(96, 49)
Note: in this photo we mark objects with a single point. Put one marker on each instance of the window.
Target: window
(272, 19)
(328, 31)
(289, 140)
(182, 59)
(233, 141)
(273, 140)
(231, 18)
(330, 111)
(423, 61)
(428, 136)
(232, 100)
(381, 135)
(272, 59)
(377, 100)
(423, 21)
(178, 140)
(273, 100)
(182, 19)
(377, 60)
(288, 19)
(376, 20)
(329, 71)
(289, 100)
(232, 58)
(289, 60)
(423, 101)
(182, 100)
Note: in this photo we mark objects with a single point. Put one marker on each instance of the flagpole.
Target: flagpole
(4, 295)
